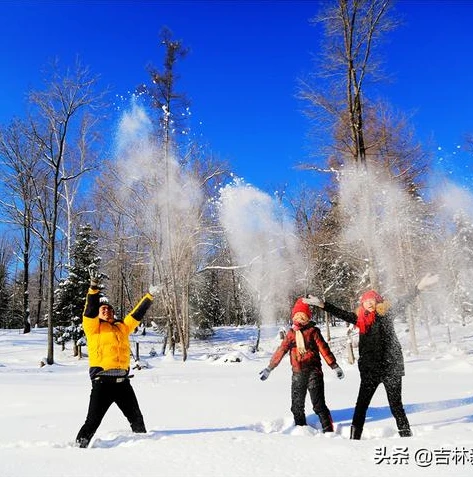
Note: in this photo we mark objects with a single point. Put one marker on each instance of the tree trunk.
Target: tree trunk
(26, 296)
(258, 336)
(327, 326)
(412, 330)
(351, 354)
(165, 342)
(236, 301)
(39, 306)
(51, 248)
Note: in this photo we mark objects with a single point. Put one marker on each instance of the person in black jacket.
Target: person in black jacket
(380, 353)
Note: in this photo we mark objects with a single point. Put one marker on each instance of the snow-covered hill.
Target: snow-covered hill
(212, 416)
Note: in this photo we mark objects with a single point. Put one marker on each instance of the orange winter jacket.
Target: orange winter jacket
(108, 344)
(315, 345)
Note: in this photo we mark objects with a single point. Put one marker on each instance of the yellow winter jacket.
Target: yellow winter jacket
(108, 344)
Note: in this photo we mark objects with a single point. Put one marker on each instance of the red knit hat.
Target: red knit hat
(371, 295)
(300, 306)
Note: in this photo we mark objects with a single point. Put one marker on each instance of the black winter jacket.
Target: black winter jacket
(380, 353)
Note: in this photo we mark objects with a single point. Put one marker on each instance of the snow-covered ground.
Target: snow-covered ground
(212, 416)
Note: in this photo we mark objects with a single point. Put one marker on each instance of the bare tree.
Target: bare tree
(368, 134)
(60, 124)
(81, 158)
(166, 99)
(177, 228)
(20, 158)
(336, 93)
(353, 30)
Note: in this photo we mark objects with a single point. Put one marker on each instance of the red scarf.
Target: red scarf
(366, 318)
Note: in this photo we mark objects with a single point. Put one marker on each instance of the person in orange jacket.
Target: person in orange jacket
(305, 344)
(109, 359)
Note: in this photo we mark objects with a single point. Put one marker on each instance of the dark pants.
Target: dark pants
(314, 383)
(104, 393)
(368, 386)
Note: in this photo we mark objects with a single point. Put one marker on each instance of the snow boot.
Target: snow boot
(138, 426)
(355, 433)
(405, 432)
(300, 421)
(326, 422)
(82, 442)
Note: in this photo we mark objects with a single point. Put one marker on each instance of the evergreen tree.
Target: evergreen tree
(71, 292)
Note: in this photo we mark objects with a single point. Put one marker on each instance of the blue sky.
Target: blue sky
(241, 74)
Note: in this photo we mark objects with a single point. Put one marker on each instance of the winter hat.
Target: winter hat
(302, 307)
(105, 301)
(371, 295)
(365, 318)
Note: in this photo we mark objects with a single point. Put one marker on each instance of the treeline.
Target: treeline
(149, 214)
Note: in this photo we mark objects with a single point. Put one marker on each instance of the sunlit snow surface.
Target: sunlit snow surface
(212, 416)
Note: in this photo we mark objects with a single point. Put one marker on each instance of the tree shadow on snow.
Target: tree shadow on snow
(174, 432)
(129, 438)
(380, 413)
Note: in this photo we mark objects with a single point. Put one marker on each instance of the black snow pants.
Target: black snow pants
(313, 382)
(368, 386)
(104, 393)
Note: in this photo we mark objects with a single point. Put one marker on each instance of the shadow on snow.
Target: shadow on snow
(339, 415)
(380, 413)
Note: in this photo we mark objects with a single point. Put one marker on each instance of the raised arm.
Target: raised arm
(344, 315)
(347, 316)
(90, 321)
(133, 319)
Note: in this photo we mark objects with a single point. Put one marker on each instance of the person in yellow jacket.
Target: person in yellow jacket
(109, 359)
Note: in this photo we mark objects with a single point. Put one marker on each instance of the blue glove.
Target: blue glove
(339, 372)
(264, 374)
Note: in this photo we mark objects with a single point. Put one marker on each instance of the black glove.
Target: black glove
(264, 374)
(94, 275)
(339, 372)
